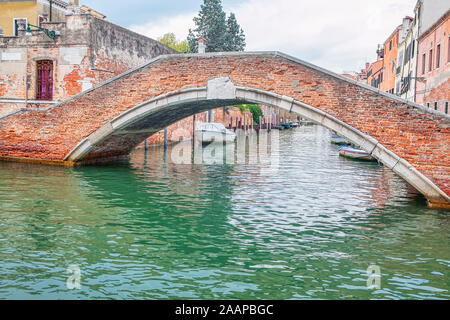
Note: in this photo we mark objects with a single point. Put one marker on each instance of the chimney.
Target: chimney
(201, 45)
(74, 2)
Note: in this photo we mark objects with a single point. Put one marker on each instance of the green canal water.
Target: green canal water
(151, 229)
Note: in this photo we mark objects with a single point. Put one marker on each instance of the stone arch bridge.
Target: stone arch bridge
(113, 118)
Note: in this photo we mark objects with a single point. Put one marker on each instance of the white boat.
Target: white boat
(214, 132)
(358, 154)
(338, 140)
(306, 123)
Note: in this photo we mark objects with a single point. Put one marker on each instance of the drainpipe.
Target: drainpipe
(194, 118)
(51, 10)
(270, 118)
(26, 82)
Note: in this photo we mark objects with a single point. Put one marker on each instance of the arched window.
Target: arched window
(44, 85)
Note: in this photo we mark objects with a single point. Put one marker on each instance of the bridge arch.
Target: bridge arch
(151, 116)
(412, 140)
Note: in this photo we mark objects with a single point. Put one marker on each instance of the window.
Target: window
(381, 78)
(390, 45)
(19, 24)
(430, 67)
(446, 107)
(438, 56)
(435, 106)
(407, 54)
(424, 58)
(413, 43)
(400, 62)
(428, 105)
(44, 79)
(448, 54)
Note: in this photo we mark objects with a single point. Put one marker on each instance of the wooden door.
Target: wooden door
(44, 78)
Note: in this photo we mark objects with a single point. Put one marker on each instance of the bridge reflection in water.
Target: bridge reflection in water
(154, 229)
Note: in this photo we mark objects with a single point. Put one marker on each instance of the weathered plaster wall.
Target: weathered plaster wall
(117, 49)
(88, 52)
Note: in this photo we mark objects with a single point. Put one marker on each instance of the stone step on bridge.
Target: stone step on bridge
(110, 120)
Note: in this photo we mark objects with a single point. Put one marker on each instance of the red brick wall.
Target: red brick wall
(436, 86)
(422, 139)
(439, 95)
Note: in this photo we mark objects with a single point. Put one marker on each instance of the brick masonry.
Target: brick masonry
(435, 89)
(417, 135)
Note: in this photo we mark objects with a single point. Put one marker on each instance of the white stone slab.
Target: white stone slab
(221, 88)
(11, 56)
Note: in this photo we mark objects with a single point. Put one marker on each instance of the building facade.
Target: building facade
(390, 62)
(391, 56)
(358, 76)
(428, 12)
(434, 65)
(415, 57)
(407, 58)
(13, 14)
(375, 74)
(36, 70)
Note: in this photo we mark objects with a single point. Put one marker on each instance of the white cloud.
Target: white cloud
(179, 25)
(334, 34)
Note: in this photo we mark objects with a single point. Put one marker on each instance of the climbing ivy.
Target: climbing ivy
(254, 109)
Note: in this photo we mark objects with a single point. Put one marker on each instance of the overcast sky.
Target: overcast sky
(340, 35)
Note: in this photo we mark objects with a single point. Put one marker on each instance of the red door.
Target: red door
(44, 80)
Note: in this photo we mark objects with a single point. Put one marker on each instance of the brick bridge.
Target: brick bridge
(110, 120)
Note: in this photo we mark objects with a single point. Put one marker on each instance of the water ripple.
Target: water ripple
(153, 229)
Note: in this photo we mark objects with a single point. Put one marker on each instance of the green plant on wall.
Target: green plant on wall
(254, 109)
